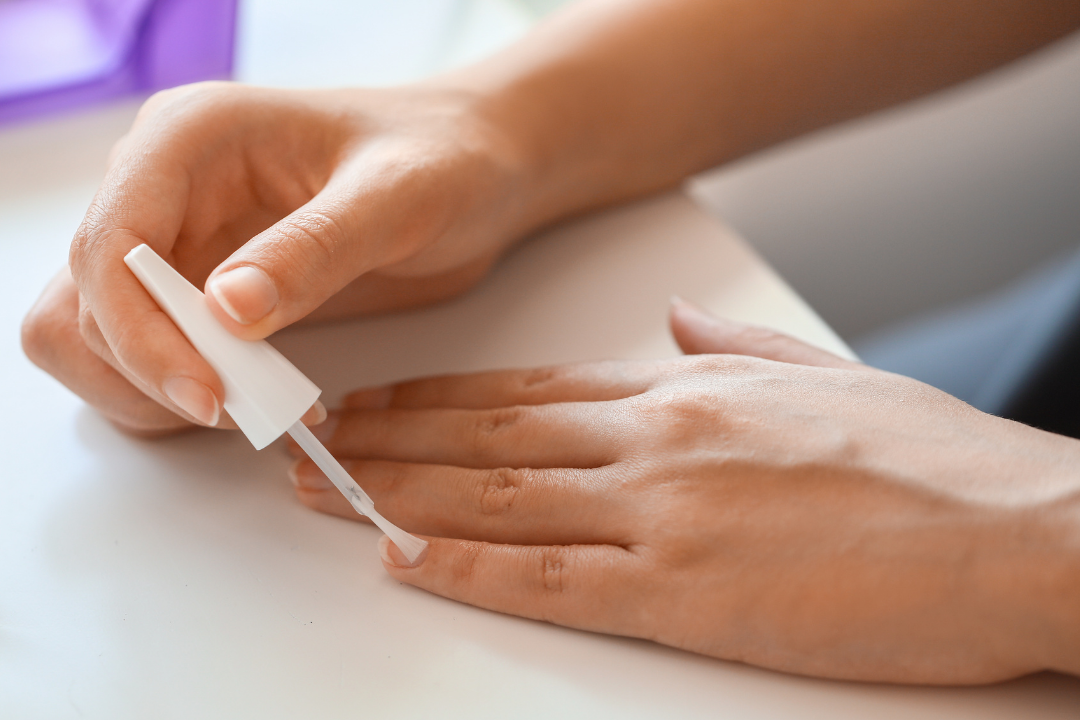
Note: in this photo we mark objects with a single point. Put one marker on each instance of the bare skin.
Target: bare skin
(343, 202)
(767, 502)
(775, 505)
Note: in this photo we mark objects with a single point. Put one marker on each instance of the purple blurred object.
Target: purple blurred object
(60, 54)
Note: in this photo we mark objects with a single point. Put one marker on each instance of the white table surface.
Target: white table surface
(180, 578)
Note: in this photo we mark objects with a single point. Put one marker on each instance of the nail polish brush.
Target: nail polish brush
(264, 393)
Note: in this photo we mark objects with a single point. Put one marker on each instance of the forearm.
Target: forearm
(613, 99)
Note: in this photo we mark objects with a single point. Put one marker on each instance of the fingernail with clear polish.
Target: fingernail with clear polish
(308, 476)
(315, 415)
(246, 293)
(194, 398)
(390, 554)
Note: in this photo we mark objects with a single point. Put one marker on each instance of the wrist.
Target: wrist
(1053, 584)
(517, 131)
(574, 125)
(1034, 570)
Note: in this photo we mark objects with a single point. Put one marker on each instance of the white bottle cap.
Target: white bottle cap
(264, 393)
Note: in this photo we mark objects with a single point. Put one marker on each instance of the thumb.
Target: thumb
(698, 332)
(293, 267)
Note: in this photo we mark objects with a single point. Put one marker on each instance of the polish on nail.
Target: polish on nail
(246, 293)
(391, 555)
(308, 476)
(194, 398)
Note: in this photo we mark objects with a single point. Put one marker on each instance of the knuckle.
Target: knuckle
(463, 568)
(187, 96)
(671, 417)
(83, 245)
(554, 573)
(536, 378)
(498, 420)
(210, 87)
(491, 427)
(312, 242)
(386, 479)
(94, 239)
(498, 490)
(162, 98)
(700, 365)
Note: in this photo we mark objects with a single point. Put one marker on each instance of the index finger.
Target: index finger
(143, 199)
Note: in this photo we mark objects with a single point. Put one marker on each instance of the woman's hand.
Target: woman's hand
(294, 204)
(774, 504)
(278, 201)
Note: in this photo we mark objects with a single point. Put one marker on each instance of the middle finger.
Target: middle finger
(578, 435)
(556, 506)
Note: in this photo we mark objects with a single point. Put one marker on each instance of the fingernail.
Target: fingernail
(246, 293)
(315, 415)
(324, 431)
(676, 300)
(375, 398)
(194, 398)
(307, 475)
(390, 554)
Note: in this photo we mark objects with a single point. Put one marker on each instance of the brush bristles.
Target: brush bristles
(410, 546)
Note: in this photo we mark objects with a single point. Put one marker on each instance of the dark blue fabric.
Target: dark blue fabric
(1014, 353)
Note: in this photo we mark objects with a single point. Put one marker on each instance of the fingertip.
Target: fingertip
(392, 556)
(246, 293)
(696, 330)
(315, 415)
(194, 398)
(384, 545)
(306, 475)
(686, 310)
(324, 431)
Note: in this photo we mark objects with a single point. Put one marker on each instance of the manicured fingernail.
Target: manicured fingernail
(307, 475)
(375, 398)
(246, 293)
(315, 415)
(324, 431)
(194, 398)
(390, 554)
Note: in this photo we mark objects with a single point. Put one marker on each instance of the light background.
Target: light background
(872, 221)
